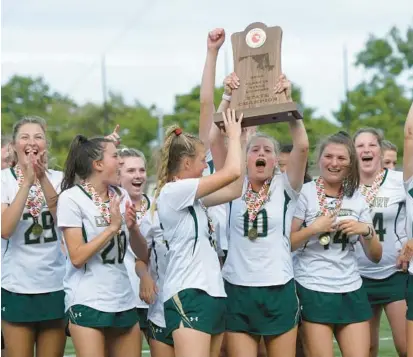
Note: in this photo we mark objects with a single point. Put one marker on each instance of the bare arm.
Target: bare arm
(79, 251)
(11, 214)
(138, 244)
(372, 248)
(50, 195)
(215, 40)
(300, 234)
(147, 288)
(408, 146)
(232, 168)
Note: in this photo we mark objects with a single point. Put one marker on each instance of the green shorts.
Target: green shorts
(86, 316)
(385, 291)
(143, 318)
(265, 311)
(409, 298)
(159, 334)
(194, 308)
(22, 308)
(334, 308)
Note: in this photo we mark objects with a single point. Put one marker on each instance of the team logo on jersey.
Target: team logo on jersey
(255, 38)
(100, 221)
(341, 213)
(380, 202)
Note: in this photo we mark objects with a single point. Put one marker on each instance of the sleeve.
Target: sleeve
(68, 212)
(365, 215)
(301, 208)
(180, 194)
(408, 185)
(287, 186)
(56, 178)
(146, 228)
(5, 192)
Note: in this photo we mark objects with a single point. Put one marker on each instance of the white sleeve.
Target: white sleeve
(180, 194)
(365, 215)
(301, 208)
(408, 185)
(5, 191)
(291, 192)
(69, 213)
(146, 228)
(56, 178)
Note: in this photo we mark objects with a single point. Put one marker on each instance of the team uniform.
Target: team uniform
(218, 214)
(99, 294)
(130, 262)
(33, 266)
(328, 282)
(409, 227)
(259, 277)
(152, 231)
(193, 289)
(383, 282)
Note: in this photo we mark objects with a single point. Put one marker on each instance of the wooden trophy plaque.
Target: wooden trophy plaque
(257, 63)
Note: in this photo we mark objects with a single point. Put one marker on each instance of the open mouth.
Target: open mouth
(137, 184)
(367, 159)
(334, 171)
(31, 150)
(260, 162)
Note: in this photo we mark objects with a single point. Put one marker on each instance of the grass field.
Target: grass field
(386, 344)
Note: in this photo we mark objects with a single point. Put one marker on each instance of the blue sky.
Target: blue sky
(155, 49)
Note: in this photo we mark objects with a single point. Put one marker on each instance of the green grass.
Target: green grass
(386, 346)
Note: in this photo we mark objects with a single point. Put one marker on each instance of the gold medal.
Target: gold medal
(253, 234)
(37, 229)
(324, 239)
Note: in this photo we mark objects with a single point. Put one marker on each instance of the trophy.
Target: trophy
(257, 63)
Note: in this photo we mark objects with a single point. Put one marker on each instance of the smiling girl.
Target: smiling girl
(98, 222)
(32, 296)
(385, 284)
(331, 216)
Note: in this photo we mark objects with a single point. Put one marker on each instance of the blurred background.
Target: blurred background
(86, 66)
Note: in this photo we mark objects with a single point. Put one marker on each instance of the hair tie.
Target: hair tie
(178, 131)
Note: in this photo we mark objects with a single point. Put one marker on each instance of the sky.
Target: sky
(155, 49)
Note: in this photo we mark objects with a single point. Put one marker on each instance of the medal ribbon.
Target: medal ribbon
(103, 207)
(322, 200)
(35, 199)
(254, 200)
(142, 210)
(370, 193)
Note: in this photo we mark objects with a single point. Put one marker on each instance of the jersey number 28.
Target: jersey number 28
(119, 254)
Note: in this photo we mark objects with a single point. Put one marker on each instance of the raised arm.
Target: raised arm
(216, 140)
(408, 146)
(215, 40)
(232, 167)
(299, 154)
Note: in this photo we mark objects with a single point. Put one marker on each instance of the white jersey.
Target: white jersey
(192, 261)
(31, 264)
(409, 208)
(332, 268)
(218, 213)
(152, 231)
(130, 262)
(389, 219)
(102, 283)
(267, 260)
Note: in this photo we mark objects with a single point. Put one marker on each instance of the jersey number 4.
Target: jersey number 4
(260, 224)
(49, 232)
(378, 223)
(110, 258)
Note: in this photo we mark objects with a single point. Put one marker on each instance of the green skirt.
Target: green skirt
(334, 308)
(385, 291)
(21, 308)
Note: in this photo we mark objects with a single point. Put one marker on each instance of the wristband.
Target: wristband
(226, 97)
(369, 235)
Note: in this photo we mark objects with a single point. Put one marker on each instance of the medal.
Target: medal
(37, 230)
(370, 193)
(253, 234)
(324, 239)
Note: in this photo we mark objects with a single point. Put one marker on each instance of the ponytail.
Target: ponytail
(79, 162)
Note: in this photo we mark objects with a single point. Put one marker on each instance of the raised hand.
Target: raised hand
(28, 169)
(115, 137)
(215, 39)
(130, 215)
(232, 124)
(39, 165)
(283, 85)
(231, 82)
(115, 215)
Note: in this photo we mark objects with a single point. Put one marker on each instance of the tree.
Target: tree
(382, 100)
